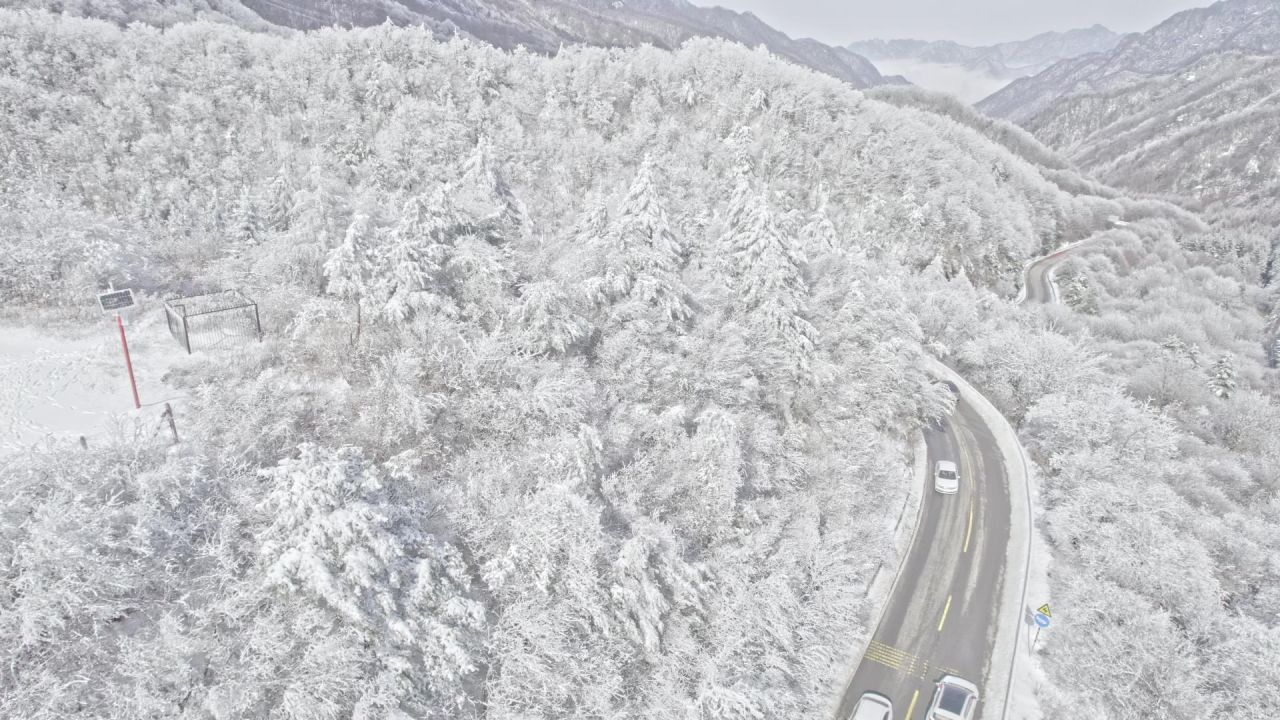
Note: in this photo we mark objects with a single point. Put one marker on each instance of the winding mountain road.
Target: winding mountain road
(956, 605)
(1039, 277)
(942, 612)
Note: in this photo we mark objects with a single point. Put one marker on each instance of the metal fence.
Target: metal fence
(203, 322)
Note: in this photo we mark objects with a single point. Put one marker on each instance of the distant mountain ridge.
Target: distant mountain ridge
(1188, 110)
(1247, 26)
(1004, 60)
(541, 26)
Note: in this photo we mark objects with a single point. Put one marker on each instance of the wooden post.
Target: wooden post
(173, 428)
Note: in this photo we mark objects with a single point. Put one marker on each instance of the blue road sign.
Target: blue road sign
(1042, 620)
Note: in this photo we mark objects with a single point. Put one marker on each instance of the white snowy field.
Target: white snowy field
(71, 381)
(966, 84)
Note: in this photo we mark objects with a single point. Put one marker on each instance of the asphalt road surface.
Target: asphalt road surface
(941, 614)
(1039, 290)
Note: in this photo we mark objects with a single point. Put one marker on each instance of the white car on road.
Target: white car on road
(946, 477)
(872, 706)
(955, 699)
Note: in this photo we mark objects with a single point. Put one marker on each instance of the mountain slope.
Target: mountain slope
(577, 371)
(1248, 26)
(1209, 133)
(542, 27)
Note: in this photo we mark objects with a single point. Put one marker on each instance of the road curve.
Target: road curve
(954, 598)
(1038, 285)
(941, 615)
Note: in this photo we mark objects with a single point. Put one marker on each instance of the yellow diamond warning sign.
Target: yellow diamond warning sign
(1045, 610)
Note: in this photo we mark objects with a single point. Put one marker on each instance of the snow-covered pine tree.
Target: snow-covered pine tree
(588, 258)
(410, 276)
(347, 267)
(1174, 345)
(767, 273)
(278, 202)
(318, 214)
(342, 540)
(486, 194)
(637, 261)
(1079, 294)
(550, 320)
(246, 225)
(651, 254)
(819, 232)
(1222, 377)
(643, 222)
(1194, 354)
(653, 584)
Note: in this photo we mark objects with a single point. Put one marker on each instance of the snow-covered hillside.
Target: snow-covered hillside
(1244, 26)
(586, 384)
(543, 26)
(589, 378)
(1186, 111)
(1205, 135)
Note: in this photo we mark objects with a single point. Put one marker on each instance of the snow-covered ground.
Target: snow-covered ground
(71, 381)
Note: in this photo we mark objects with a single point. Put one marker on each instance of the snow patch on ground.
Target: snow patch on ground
(70, 382)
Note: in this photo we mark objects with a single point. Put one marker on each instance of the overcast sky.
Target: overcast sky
(973, 22)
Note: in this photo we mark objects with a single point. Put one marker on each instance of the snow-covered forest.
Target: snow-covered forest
(1161, 495)
(588, 382)
(1149, 401)
(585, 388)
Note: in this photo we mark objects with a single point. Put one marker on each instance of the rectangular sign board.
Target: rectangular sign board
(115, 300)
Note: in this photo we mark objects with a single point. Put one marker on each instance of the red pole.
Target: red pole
(137, 404)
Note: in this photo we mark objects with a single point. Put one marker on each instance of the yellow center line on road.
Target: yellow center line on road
(968, 533)
(945, 610)
(912, 707)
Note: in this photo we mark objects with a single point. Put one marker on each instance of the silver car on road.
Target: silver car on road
(946, 477)
(872, 706)
(955, 699)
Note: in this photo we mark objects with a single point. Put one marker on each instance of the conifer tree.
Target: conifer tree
(1222, 377)
(347, 267)
(246, 226)
(1080, 295)
(411, 274)
(766, 272)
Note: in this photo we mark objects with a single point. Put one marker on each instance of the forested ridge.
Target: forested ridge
(586, 383)
(585, 387)
(1159, 451)
(1148, 401)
